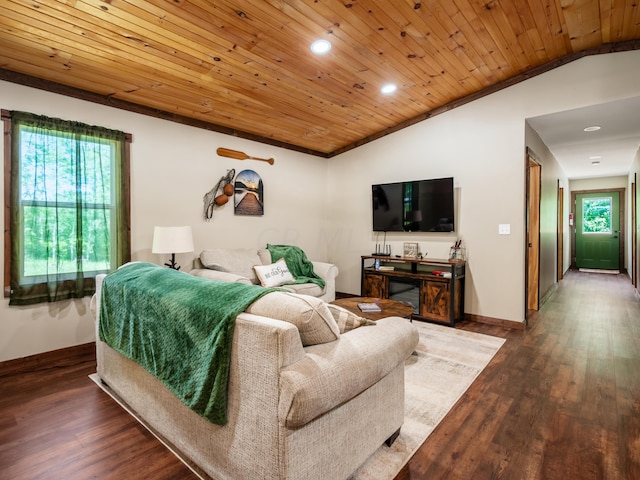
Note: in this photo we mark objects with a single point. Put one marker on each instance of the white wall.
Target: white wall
(481, 144)
(172, 167)
(325, 205)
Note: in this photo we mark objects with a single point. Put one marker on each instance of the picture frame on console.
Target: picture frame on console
(410, 250)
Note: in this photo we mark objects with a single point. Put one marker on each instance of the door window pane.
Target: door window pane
(596, 215)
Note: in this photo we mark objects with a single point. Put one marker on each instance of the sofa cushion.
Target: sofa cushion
(333, 373)
(347, 320)
(239, 261)
(218, 275)
(265, 256)
(305, 289)
(309, 314)
(274, 274)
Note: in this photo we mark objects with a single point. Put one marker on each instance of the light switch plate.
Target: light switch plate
(504, 229)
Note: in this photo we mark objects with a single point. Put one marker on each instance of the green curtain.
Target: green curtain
(65, 179)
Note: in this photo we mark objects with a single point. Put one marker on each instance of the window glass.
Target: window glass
(68, 204)
(596, 215)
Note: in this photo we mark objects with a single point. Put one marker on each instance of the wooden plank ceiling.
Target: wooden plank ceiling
(245, 67)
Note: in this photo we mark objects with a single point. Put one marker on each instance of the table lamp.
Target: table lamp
(172, 240)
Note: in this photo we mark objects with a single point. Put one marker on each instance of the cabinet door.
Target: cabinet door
(375, 286)
(435, 300)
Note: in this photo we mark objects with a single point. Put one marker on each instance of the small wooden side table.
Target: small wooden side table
(390, 308)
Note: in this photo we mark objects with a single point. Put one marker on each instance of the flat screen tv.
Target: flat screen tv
(415, 206)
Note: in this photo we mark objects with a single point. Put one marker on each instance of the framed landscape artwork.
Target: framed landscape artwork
(248, 194)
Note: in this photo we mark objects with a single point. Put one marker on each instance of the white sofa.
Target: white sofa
(236, 265)
(294, 411)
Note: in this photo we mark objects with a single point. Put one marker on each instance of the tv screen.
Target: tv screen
(415, 206)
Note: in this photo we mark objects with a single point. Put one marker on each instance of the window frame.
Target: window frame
(125, 175)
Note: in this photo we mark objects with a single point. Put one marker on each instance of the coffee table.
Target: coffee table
(390, 308)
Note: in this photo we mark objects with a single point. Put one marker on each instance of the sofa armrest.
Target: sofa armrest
(333, 373)
(328, 272)
(218, 275)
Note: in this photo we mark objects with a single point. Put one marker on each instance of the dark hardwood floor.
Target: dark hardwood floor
(561, 400)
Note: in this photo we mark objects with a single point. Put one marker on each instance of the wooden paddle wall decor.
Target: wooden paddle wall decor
(225, 152)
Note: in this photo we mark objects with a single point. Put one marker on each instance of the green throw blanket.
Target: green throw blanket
(178, 327)
(299, 265)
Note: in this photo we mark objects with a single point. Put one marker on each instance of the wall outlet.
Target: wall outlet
(504, 229)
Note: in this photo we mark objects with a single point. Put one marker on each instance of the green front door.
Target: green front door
(598, 230)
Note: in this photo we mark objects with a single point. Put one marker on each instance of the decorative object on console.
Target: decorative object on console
(410, 250)
(172, 240)
(457, 251)
(212, 198)
(249, 194)
(235, 154)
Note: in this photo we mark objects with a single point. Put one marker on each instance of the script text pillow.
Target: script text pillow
(273, 274)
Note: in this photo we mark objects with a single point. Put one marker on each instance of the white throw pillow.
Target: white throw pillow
(274, 274)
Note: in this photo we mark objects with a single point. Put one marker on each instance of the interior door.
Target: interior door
(598, 230)
(534, 179)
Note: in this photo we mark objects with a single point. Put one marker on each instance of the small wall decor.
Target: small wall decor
(410, 250)
(218, 195)
(226, 152)
(249, 199)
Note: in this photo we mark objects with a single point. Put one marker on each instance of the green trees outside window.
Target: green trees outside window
(69, 207)
(596, 215)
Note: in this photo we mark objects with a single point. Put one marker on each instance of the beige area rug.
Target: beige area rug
(443, 367)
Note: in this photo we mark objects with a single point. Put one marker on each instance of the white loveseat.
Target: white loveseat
(294, 411)
(236, 265)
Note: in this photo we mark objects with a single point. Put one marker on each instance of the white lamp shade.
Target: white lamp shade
(172, 240)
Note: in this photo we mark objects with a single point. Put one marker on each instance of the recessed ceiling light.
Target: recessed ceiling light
(593, 128)
(320, 47)
(388, 88)
(595, 157)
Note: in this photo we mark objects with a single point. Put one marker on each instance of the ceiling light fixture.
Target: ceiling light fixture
(593, 128)
(388, 88)
(320, 47)
(595, 162)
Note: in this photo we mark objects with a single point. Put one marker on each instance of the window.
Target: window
(68, 204)
(596, 215)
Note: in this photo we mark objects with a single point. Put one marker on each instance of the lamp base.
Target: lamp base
(172, 263)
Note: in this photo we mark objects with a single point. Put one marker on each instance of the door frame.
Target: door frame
(621, 234)
(634, 231)
(560, 234)
(533, 167)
